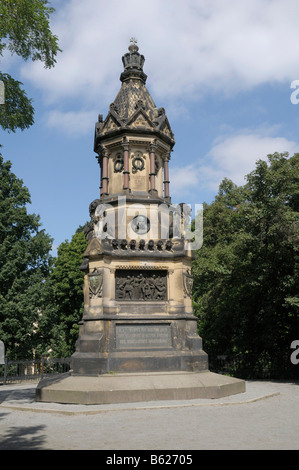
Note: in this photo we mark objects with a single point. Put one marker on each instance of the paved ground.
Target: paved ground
(266, 416)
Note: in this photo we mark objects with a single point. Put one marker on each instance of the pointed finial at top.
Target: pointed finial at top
(133, 46)
(133, 63)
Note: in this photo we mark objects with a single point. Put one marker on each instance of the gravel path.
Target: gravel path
(266, 416)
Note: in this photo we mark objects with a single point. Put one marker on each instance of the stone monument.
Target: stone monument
(138, 335)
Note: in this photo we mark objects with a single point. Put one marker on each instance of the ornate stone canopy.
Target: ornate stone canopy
(133, 108)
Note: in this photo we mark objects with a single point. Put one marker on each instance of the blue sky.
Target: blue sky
(222, 69)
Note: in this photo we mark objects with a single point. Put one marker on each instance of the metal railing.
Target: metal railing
(242, 366)
(32, 369)
(256, 367)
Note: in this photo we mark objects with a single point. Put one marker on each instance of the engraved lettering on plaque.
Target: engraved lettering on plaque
(143, 336)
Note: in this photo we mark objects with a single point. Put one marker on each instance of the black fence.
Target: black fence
(242, 366)
(32, 369)
(255, 367)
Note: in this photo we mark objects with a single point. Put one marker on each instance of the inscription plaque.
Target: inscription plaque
(138, 183)
(143, 336)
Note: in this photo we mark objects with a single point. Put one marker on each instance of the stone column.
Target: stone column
(104, 172)
(166, 176)
(101, 173)
(152, 174)
(125, 146)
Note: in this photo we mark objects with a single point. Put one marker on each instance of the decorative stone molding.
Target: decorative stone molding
(188, 282)
(118, 164)
(137, 163)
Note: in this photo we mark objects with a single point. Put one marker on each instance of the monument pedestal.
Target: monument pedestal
(141, 387)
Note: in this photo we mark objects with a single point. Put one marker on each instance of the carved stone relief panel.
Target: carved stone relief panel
(140, 285)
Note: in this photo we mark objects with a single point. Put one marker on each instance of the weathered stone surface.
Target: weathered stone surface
(130, 388)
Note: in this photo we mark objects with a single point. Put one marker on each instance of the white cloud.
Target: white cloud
(72, 122)
(230, 157)
(190, 46)
(182, 178)
(235, 156)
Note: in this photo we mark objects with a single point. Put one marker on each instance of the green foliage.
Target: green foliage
(17, 111)
(64, 304)
(41, 297)
(25, 31)
(24, 265)
(246, 273)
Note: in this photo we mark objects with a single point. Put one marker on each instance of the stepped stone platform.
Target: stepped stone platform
(136, 387)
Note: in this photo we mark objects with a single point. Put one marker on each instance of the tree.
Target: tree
(25, 262)
(246, 274)
(25, 31)
(17, 111)
(63, 302)
(41, 297)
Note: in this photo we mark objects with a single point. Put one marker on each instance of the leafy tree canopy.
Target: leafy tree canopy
(41, 297)
(17, 111)
(63, 303)
(246, 274)
(25, 263)
(25, 31)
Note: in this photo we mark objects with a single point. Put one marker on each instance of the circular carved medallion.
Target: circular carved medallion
(140, 224)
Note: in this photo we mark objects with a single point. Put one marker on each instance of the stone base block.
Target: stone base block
(94, 364)
(131, 388)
